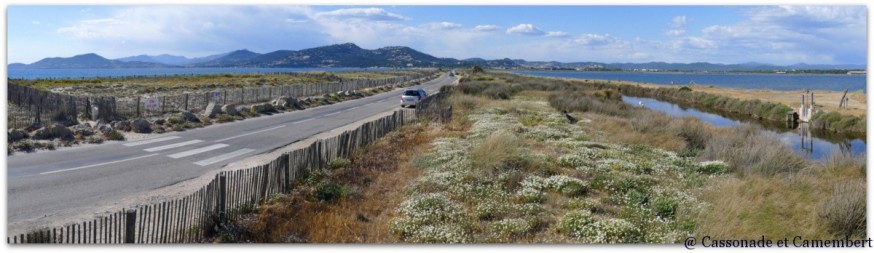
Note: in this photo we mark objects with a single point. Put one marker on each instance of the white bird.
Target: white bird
(640, 103)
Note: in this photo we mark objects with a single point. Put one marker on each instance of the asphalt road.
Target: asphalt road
(43, 184)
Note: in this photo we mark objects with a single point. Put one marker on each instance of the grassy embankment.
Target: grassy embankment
(510, 169)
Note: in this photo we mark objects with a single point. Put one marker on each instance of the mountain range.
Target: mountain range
(350, 55)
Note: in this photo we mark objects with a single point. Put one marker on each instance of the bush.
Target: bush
(750, 151)
(113, 136)
(844, 212)
(665, 207)
(221, 118)
(339, 163)
(497, 149)
(329, 191)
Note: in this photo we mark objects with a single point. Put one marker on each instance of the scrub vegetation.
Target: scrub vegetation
(513, 167)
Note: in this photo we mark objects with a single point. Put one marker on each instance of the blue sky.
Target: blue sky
(720, 34)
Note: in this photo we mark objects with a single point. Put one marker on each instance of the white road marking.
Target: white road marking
(301, 121)
(95, 165)
(197, 151)
(151, 141)
(175, 145)
(329, 114)
(250, 133)
(224, 157)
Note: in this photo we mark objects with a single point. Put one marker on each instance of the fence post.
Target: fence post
(130, 217)
(138, 106)
(222, 195)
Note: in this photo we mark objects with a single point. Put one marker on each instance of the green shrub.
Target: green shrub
(329, 191)
(339, 163)
(221, 118)
(114, 136)
(665, 207)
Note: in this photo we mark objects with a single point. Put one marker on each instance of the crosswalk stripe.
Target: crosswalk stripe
(174, 145)
(198, 151)
(224, 157)
(250, 133)
(143, 142)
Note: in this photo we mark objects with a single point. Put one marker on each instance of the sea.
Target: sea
(774, 81)
(31, 74)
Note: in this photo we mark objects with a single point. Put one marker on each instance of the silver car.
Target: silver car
(411, 97)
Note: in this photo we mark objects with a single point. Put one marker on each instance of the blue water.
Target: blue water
(89, 73)
(813, 148)
(740, 80)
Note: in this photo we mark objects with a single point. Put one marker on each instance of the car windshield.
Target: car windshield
(411, 93)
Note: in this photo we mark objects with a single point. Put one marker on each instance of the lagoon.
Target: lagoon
(808, 143)
(730, 80)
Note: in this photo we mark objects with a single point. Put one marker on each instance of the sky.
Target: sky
(683, 34)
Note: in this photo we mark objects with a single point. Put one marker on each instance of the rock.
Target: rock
(82, 130)
(160, 121)
(140, 126)
(42, 134)
(85, 132)
(121, 125)
(243, 108)
(211, 110)
(230, 109)
(104, 129)
(263, 108)
(284, 102)
(16, 135)
(279, 103)
(60, 131)
(188, 116)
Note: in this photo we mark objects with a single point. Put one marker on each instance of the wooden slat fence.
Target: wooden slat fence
(45, 107)
(193, 217)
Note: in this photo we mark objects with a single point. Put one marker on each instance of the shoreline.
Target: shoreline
(857, 106)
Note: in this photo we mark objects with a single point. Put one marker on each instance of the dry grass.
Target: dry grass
(622, 130)
(787, 206)
(378, 174)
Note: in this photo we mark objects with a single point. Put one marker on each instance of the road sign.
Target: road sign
(151, 103)
(217, 96)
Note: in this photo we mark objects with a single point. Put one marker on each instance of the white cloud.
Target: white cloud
(525, 29)
(296, 21)
(375, 14)
(559, 34)
(485, 28)
(35, 22)
(678, 26)
(595, 40)
(443, 26)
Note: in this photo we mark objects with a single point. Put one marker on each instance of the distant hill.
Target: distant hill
(167, 59)
(350, 55)
(86, 61)
(695, 66)
(340, 55)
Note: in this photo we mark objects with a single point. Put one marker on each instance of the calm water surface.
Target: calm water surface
(740, 80)
(812, 146)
